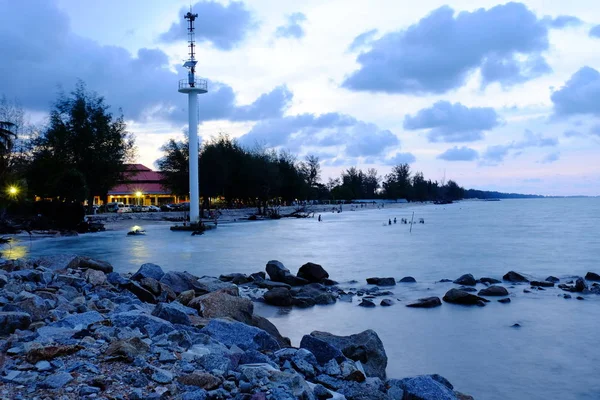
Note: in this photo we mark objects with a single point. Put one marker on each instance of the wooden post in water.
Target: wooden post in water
(411, 221)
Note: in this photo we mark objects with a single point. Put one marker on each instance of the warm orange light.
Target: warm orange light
(138, 194)
(13, 190)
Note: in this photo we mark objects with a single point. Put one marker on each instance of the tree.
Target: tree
(174, 166)
(311, 169)
(83, 145)
(397, 184)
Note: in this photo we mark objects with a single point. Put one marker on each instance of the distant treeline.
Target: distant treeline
(482, 194)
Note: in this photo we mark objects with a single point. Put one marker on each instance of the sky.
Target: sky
(494, 95)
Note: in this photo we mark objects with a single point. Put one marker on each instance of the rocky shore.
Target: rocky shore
(71, 328)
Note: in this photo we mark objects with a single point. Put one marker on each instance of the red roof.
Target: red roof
(139, 178)
(131, 188)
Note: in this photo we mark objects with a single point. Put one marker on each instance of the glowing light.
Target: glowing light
(13, 190)
(136, 228)
(139, 194)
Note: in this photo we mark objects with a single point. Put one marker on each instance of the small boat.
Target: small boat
(136, 232)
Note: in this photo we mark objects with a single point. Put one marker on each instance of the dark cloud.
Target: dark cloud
(224, 26)
(563, 21)
(357, 138)
(143, 85)
(293, 27)
(509, 71)
(440, 52)
(449, 122)
(496, 154)
(550, 158)
(362, 40)
(459, 154)
(580, 95)
(595, 31)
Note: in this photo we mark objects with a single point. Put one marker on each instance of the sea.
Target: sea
(554, 354)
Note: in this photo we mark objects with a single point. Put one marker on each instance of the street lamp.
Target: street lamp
(139, 195)
(12, 191)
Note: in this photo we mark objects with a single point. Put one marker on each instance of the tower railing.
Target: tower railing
(200, 84)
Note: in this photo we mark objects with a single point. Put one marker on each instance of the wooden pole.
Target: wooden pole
(411, 221)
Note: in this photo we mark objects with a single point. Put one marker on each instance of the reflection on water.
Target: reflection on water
(553, 355)
(14, 251)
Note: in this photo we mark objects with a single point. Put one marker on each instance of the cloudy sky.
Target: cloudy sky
(498, 96)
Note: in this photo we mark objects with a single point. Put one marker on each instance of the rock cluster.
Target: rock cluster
(71, 328)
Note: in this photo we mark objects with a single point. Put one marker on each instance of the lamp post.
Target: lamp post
(138, 195)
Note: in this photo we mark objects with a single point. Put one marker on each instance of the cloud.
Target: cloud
(572, 133)
(362, 40)
(580, 95)
(293, 27)
(595, 31)
(595, 130)
(563, 21)
(224, 26)
(143, 85)
(439, 53)
(353, 137)
(400, 158)
(496, 154)
(550, 158)
(459, 154)
(449, 122)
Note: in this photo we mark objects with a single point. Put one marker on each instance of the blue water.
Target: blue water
(553, 355)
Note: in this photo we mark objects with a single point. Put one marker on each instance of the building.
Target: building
(142, 186)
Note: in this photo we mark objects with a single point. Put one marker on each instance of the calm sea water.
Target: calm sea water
(555, 353)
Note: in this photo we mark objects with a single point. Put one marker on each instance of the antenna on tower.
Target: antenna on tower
(191, 62)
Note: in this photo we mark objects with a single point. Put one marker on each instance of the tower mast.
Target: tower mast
(192, 87)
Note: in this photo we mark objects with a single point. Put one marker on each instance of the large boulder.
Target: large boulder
(211, 284)
(279, 273)
(11, 321)
(580, 285)
(315, 293)
(542, 283)
(140, 292)
(491, 281)
(244, 336)
(424, 387)
(592, 276)
(90, 263)
(147, 324)
(180, 281)
(172, 312)
(457, 296)
(513, 276)
(427, 302)
(493, 290)
(312, 272)
(148, 270)
(322, 350)
(280, 297)
(267, 326)
(466, 279)
(221, 304)
(381, 281)
(365, 347)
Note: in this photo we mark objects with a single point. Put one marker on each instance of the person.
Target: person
(389, 221)
(394, 219)
(319, 217)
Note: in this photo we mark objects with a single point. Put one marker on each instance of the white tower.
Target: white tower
(193, 87)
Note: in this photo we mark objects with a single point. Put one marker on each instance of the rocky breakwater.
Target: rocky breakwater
(71, 328)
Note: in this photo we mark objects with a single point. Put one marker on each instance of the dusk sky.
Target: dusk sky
(497, 96)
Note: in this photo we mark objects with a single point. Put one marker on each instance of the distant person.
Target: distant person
(389, 221)
(394, 219)
(319, 217)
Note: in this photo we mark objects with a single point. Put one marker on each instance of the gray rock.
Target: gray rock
(365, 347)
(114, 278)
(493, 291)
(199, 394)
(88, 390)
(366, 303)
(554, 279)
(467, 289)
(148, 270)
(387, 302)
(212, 284)
(280, 297)
(427, 302)
(90, 263)
(221, 304)
(491, 281)
(408, 279)
(19, 377)
(94, 277)
(425, 387)
(268, 284)
(331, 367)
(580, 285)
(542, 283)
(244, 336)
(381, 281)
(505, 300)
(140, 292)
(57, 380)
(180, 281)
(11, 321)
(316, 292)
(457, 296)
(172, 313)
(395, 391)
(43, 366)
(321, 392)
(162, 376)
(312, 272)
(592, 276)
(147, 324)
(322, 350)
(466, 279)
(276, 270)
(513, 276)
(79, 321)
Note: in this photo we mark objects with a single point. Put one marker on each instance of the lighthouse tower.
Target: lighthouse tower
(192, 87)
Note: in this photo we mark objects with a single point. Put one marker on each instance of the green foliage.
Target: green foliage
(82, 152)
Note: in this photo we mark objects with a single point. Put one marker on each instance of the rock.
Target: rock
(141, 293)
(278, 297)
(147, 324)
(466, 279)
(316, 292)
(366, 303)
(542, 283)
(505, 300)
(116, 279)
(267, 326)
(493, 291)
(467, 289)
(408, 279)
(381, 281)
(365, 347)
(180, 281)
(162, 376)
(200, 379)
(43, 366)
(88, 390)
(513, 276)
(277, 271)
(185, 297)
(127, 348)
(321, 392)
(244, 336)
(424, 387)
(148, 270)
(350, 372)
(456, 296)
(328, 282)
(152, 285)
(31, 304)
(312, 272)
(208, 284)
(57, 380)
(236, 278)
(220, 304)
(322, 350)
(515, 325)
(90, 263)
(303, 302)
(79, 321)
(39, 353)
(386, 302)
(94, 277)
(566, 296)
(490, 281)
(427, 302)
(552, 279)
(172, 313)
(580, 298)
(592, 276)
(580, 285)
